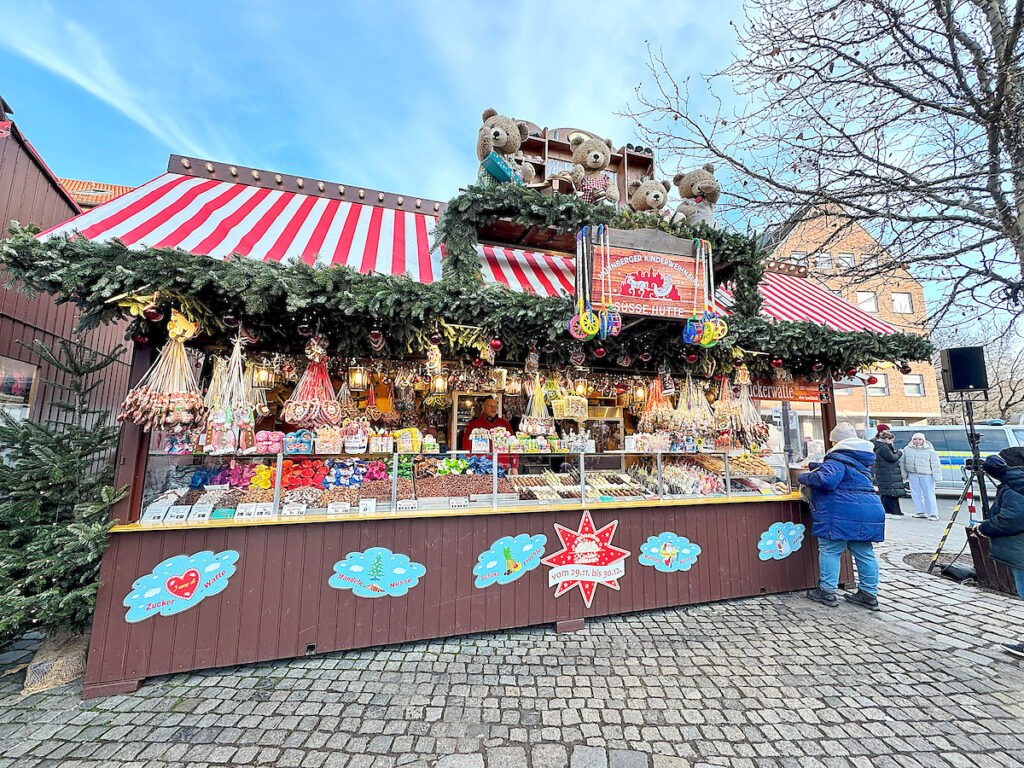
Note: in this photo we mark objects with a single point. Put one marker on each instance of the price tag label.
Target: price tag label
(246, 511)
(265, 509)
(177, 514)
(222, 514)
(218, 487)
(458, 502)
(293, 509)
(155, 514)
(408, 505)
(607, 498)
(200, 513)
(767, 491)
(338, 508)
(367, 506)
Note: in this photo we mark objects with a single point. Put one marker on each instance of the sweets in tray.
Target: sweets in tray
(549, 486)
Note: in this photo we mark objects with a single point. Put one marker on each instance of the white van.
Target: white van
(951, 444)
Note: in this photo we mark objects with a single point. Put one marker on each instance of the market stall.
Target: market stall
(443, 435)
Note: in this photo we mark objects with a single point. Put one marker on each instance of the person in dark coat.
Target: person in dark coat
(847, 515)
(1005, 523)
(887, 474)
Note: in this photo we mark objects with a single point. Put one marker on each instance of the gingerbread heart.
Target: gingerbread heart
(184, 586)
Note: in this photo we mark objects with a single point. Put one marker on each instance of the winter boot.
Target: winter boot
(819, 595)
(863, 599)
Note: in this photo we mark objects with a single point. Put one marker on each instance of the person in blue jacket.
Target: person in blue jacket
(1005, 523)
(847, 515)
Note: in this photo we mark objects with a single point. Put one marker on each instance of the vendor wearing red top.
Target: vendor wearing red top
(488, 419)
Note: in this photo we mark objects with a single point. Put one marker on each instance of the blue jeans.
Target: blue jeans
(829, 554)
(1018, 577)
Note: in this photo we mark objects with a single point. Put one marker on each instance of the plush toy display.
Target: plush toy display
(501, 137)
(591, 157)
(648, 195)
(700, 192)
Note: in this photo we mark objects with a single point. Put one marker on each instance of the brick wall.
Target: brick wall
(823, 239)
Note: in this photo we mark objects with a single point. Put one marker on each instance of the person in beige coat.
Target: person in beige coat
(922, 468)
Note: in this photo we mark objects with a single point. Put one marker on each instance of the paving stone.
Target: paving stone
(549, 756)
(461, 761)
(588, 757)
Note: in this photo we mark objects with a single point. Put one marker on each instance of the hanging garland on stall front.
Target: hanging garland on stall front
(360, 312)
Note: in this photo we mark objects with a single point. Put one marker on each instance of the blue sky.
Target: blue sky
(386, 95)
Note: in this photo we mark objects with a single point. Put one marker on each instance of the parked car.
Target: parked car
(953, 448)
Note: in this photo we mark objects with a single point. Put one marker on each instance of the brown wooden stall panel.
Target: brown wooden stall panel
(278, 600)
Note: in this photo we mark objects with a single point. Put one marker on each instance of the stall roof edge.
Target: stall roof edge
(257, 177)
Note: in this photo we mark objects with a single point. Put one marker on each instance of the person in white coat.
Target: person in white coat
(922, 468)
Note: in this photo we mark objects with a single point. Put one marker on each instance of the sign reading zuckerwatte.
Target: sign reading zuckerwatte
(655, 284)
(179, 583)
(798, 391)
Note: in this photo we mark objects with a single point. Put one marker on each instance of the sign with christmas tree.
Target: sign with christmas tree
(377, 572)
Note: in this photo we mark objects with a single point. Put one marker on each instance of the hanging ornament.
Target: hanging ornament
(818, 366)
(777, 362)
(433, 359)
(851, 372)
(313, 402)
(905, 369)
(435, 338)
(305, 329)
(872, 380)
(532, 361)
(477, 363)
(249, 334)
(496, 345)
(140, 337)
(718, 377)
(153, 313)
(231, 319)
(691, 358)
(624, 360)
(742, 374)
(376, 339)
(600, 352)
(646, 356)
(578, 357)
(549, 348)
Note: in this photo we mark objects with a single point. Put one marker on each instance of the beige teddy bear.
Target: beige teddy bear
(700, 192)
(591, 157)
(503, 136)
(648, 195)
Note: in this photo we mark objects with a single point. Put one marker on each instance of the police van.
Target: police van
(951, 444)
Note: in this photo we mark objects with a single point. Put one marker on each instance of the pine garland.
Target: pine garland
(106, 279)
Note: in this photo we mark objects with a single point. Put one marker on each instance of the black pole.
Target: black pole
(975, 439)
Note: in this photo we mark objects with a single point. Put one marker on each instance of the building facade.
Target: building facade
(836, 252)
(31, 194)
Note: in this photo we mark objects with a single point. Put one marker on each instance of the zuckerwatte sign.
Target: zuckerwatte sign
(793, 391)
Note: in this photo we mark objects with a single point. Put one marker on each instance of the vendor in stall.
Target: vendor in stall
(488, 419)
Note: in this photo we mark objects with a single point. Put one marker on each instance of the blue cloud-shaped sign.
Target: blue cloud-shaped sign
(508, 559)
(780, 541)
(179, 583)
(376, 572)
(668, 552)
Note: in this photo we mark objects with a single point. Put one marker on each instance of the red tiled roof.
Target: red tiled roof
(92, 193)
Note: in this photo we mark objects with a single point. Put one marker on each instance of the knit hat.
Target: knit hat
(1013, 456)
(882, 427)
(844, 430)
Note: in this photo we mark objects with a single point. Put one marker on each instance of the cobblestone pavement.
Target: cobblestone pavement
(767, 681)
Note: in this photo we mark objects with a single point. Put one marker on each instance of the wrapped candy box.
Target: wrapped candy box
(330, 439)
(299, 442)
(502, 169)
(268, 441)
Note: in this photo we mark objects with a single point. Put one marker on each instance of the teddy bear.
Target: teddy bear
(648, 195)
(591, 157)
(503, 136)
(700, 192)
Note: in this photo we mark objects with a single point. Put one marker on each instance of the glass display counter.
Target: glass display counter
(188, 489)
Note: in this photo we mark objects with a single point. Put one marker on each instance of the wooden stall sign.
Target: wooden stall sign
(653, 284)
(798, 391)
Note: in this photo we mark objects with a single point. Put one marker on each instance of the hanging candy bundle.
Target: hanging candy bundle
(537, 420)
(657, 413)
(230, 417)
(312, 402)
(168, 398)
(693, 416)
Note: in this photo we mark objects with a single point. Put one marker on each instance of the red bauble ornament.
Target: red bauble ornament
(435, 338)
(250, 334)
(777, 362)
(477, 363)
(140, 338)
(691, 358)
(496, 345)
(851, 371)
(905, 369)
(376, 335)
(549, 348)
(718, 377)
(600, 352)
(818, 366)
(872, 380)
(153, 313)
(231, 320)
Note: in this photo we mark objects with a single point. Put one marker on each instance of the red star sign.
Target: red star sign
(587, 559)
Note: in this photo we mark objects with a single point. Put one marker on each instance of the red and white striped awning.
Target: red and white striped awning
(546, 274)
(787, 297)
(219, 218)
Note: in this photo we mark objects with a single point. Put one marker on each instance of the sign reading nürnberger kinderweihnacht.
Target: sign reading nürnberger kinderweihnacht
(654, 284)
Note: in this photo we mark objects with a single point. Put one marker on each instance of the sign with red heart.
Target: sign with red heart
(185, 585)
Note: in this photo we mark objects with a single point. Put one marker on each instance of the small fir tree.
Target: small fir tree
(55, 498)
(377, 569)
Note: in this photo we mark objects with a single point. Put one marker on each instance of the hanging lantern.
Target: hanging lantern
(262, 375)
(581, 387)
(438, 385)
(639, 393)
(358, 379)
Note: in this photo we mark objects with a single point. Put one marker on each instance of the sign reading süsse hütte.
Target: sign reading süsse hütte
(792, 391)
(655, 284)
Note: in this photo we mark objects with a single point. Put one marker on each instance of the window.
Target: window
(17, 387)
(992, 440)
(913, 385)
(867, 300)
(824, 261)
(903, 303)
(881, 389)
(846, 260)
(869, 261)
(798, 257)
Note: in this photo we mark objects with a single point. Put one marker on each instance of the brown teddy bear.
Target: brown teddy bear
(591, 157)
(503, 136)
(648, 195)
(700, 192)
